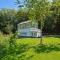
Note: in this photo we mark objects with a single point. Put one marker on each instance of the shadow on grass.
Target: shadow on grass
(55, 36)
(22, 48)
(21, 52)
(29, 58)
(46, 48)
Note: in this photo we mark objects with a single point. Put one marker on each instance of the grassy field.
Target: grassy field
(49, 51)
(32, 50)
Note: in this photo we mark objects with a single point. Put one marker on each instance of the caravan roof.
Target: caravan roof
(24, 22)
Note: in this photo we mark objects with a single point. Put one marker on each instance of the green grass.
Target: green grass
(50, 50)
(34, 41)
(31, 54)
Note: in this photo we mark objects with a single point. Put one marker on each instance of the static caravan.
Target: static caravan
(28, 29)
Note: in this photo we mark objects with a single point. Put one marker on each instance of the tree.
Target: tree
(38, 9)
(56, 15)
(7, 20)
(22, 15)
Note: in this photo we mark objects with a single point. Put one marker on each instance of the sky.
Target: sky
(8, 4)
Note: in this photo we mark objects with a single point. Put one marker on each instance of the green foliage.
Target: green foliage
(10, 50)
(38, 9)
(47, 14)
(7, 20)
(22, 15)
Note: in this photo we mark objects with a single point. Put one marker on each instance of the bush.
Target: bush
(9, 50)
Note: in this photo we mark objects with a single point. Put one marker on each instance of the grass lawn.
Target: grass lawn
(50, 51)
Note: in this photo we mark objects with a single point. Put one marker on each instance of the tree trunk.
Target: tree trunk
(41, 40)
(41, 34)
